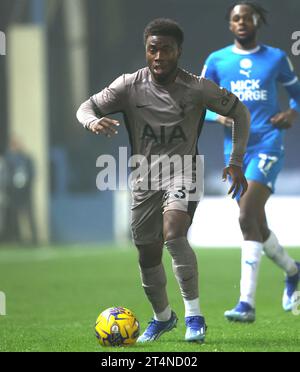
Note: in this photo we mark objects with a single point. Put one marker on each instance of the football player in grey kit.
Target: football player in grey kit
(164, 107)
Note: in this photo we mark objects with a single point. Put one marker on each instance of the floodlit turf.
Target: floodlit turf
(54, 296)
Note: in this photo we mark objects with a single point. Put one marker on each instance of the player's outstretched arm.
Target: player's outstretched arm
(240, 135)
(227, 104)
(92, 113)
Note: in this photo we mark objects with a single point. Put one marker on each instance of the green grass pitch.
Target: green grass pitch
(54, 295)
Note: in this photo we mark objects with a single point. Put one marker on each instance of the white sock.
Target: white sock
(164, 315)
(192, 307)
(251, 256)
(276, 253)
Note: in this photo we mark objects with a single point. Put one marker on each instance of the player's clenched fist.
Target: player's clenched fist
(105, 126)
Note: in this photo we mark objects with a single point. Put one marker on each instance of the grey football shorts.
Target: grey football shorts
(147, 211)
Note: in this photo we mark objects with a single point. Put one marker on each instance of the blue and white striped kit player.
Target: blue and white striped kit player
(253, 72)
(253, 76)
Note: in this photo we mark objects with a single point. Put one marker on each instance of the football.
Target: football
(117, 326)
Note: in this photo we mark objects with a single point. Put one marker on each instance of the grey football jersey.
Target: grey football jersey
(164, 119)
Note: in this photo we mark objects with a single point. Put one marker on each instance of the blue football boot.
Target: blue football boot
(195, 328)
(156, 328)
(243, 312)
(289, 295)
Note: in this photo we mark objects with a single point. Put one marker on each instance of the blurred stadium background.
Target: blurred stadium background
(58, 52)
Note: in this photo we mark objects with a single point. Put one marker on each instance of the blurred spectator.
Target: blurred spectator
(3, 195)
(21, 222)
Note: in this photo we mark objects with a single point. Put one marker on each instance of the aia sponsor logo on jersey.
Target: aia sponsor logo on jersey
(166, 135)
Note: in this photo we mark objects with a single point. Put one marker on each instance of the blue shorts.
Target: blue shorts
(262, 166)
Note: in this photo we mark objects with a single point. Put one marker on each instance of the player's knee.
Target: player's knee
(176, 225)
(175, 231)
(150, 255)
(174, 234)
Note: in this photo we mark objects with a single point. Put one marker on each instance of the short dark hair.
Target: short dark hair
(257, 8)
(164, 27)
